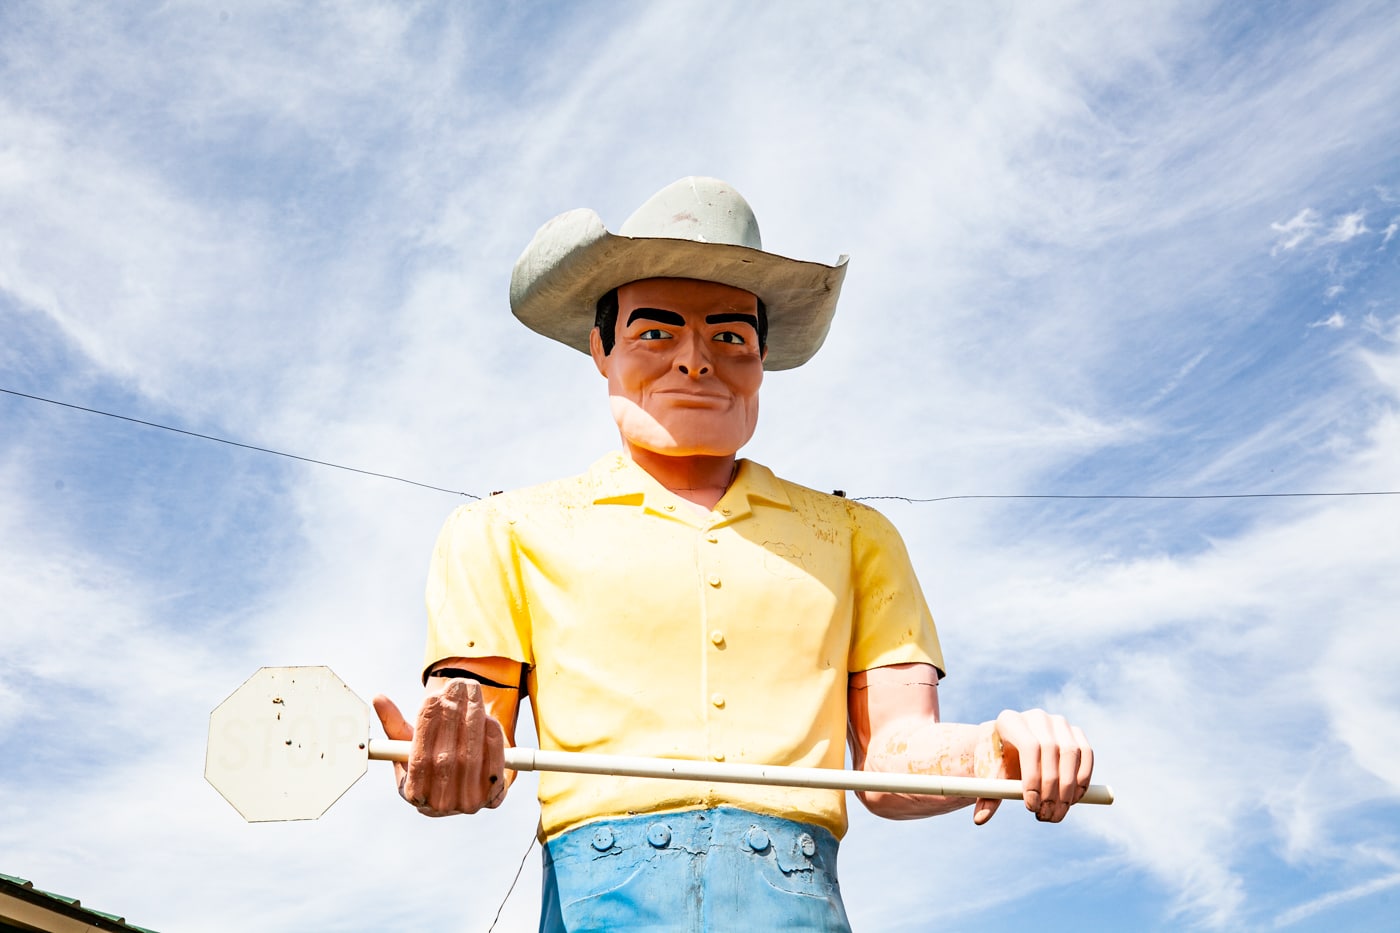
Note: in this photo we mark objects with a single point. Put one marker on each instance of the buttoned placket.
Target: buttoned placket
(711, 532)
(715, 638)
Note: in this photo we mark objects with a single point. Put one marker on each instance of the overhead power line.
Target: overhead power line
(910, 499)
(1223, 495)
(224, 440)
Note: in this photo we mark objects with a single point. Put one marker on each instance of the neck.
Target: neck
(702, 480)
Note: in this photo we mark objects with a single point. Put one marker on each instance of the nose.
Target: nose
(693, 360)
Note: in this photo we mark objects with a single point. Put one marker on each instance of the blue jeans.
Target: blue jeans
(722, 869)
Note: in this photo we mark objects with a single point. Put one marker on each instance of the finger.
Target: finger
(435, 730)
(1086, 764)
(1018, 739)
(1041, 755)
(1043, 727)
(451, 750)
(483, 776)
(494, 760)
(1070, 755)
(984, 808)
(471, 767)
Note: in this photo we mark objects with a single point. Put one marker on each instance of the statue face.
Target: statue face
(684, 372)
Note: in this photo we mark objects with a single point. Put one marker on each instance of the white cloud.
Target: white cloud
(1307, 226)
(1386, 330)
(1347, 227)
(147, 285)
(1335, 321)
(1178, 377)
(1297, 230)
(1364, 889)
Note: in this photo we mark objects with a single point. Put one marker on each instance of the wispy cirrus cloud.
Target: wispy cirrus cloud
(1296, 230)
(1347, 227)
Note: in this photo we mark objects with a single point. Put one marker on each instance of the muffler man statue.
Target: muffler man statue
(675, 601)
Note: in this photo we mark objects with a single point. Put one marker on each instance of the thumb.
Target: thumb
(984, 808)
(395, 727)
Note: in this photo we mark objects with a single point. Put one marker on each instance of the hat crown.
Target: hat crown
(703, 210)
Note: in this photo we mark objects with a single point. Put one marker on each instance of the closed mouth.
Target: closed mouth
(698, 396)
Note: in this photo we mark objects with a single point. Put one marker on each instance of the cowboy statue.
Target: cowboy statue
(677, 602)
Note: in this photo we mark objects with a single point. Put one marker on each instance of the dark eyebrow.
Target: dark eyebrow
(658, 315)
(733, 317)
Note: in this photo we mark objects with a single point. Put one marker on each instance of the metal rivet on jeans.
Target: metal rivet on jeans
(808, 845)
(757, 839)
(659, 835)
(603, 839)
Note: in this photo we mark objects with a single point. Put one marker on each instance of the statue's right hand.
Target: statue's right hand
(457, 760)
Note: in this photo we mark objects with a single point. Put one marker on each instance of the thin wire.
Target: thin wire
(909, 499)
(1231, 495)
(221, 440)
(518, 869)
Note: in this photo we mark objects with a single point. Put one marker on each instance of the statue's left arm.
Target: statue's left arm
(894, 727)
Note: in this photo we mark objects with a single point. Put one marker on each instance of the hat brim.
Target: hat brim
(573, 261)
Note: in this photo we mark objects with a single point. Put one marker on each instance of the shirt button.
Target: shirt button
(757, 839)
(603, 839)
(713, 579)
(718, 700)
(670, 506)
(717, 638)
(724, 511)
(713, 539)
(717, 756)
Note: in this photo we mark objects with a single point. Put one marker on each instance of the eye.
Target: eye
(654, 333)
(728, 336)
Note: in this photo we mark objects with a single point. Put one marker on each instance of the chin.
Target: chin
(689, 443)
(675, 449)
(684, 440)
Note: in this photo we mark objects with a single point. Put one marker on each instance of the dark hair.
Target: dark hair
(606, 322)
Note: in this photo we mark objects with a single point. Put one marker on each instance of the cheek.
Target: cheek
(631, 374)
(623, 379)
(747, 380)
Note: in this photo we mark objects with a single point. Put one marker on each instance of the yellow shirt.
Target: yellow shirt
(651, 628)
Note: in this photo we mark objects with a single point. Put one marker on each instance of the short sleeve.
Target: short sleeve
(892, 623)
(476, 606)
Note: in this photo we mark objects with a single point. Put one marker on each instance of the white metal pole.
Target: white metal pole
(531, 759)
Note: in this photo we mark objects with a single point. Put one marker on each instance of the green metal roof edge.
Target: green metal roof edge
(72, 903)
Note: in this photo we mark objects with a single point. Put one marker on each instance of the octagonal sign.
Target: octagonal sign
(287, 744)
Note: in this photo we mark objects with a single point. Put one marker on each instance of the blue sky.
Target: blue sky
(1097, 248)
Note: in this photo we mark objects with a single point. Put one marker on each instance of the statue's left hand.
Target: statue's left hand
(1052, 759)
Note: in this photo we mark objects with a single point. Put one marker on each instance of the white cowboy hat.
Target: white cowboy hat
(696, 228)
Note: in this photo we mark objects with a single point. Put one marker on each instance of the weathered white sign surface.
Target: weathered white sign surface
(287, 744)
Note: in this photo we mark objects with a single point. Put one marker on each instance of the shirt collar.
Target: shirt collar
(616, 480)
